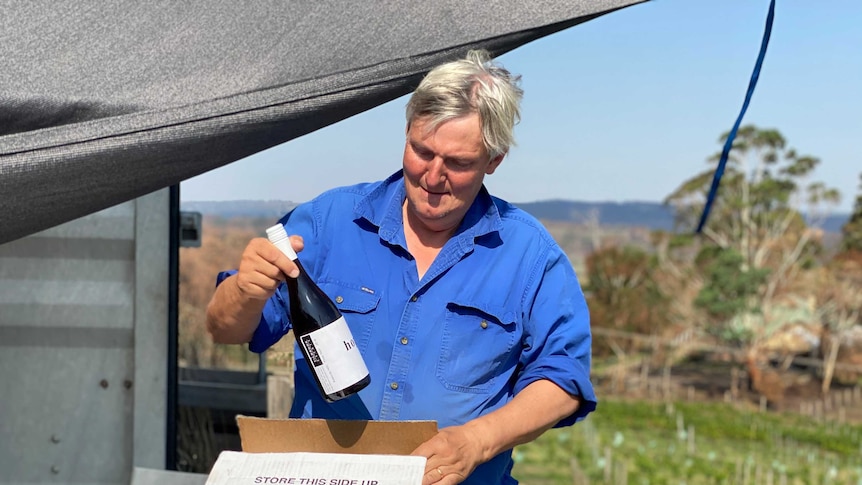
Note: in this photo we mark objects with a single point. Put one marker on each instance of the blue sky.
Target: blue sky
(621, 108)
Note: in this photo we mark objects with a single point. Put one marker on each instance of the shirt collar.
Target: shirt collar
(382, 208)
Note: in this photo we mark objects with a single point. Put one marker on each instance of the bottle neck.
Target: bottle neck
(284, 246)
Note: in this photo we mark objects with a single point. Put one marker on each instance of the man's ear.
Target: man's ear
(495, 162)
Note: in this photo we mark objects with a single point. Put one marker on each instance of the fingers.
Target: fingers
(439, 476)
(297, 243)
(285, 264)
(433, 475)
(263, 267)
(450, 457)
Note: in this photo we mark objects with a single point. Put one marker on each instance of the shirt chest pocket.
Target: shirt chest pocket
(358, 305)
(477, 347)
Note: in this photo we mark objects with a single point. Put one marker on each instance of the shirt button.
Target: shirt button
(339, 299)
(484, 324)
(404, 340)
(394, 386)
(414, 298)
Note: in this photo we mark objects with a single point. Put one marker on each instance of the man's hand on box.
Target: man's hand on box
(453, 454)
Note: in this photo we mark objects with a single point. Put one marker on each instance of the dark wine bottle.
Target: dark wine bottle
(321, 331)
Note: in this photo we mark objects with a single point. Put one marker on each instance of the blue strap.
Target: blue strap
(719, 171)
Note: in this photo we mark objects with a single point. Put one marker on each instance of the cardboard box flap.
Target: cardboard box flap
(240, 468)
(261, 435)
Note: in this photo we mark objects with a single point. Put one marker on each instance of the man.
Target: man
(464, 308)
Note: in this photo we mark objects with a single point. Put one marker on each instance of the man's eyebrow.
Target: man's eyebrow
(419, 146)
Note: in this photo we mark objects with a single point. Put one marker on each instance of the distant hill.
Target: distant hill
(272, 209)
(645, 214)
(652, 215)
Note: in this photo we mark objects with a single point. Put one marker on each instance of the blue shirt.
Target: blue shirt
(499, 308)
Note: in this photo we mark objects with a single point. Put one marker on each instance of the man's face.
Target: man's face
(444, 170)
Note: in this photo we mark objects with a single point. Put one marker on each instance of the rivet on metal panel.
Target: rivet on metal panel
(104, 383)
(55, 439)
(127, 384)
(55, 469)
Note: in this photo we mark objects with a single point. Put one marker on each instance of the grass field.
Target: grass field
(692, 443)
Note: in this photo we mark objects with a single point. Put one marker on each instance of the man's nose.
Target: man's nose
(436, 171)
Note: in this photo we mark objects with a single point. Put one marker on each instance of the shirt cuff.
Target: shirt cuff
(570, 376)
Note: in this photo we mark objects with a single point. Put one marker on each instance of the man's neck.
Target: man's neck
(423, 242)
(427, 236)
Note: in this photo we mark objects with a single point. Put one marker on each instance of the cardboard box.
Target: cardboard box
(324, 452)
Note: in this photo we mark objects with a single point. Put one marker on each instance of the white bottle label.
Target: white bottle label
(334, 356)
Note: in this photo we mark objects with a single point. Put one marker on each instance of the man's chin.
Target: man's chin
(431, 206)
(433, 214)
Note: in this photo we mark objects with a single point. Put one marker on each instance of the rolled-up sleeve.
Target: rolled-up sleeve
(557, 333)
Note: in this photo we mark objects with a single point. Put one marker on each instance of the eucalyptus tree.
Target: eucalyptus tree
(851, 231)
(762, 230)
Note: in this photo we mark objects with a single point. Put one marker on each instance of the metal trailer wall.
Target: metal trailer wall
(83, 347)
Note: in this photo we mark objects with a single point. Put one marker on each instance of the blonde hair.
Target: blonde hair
(475, 84)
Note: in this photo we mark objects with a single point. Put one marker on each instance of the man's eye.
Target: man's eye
(423, 154)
